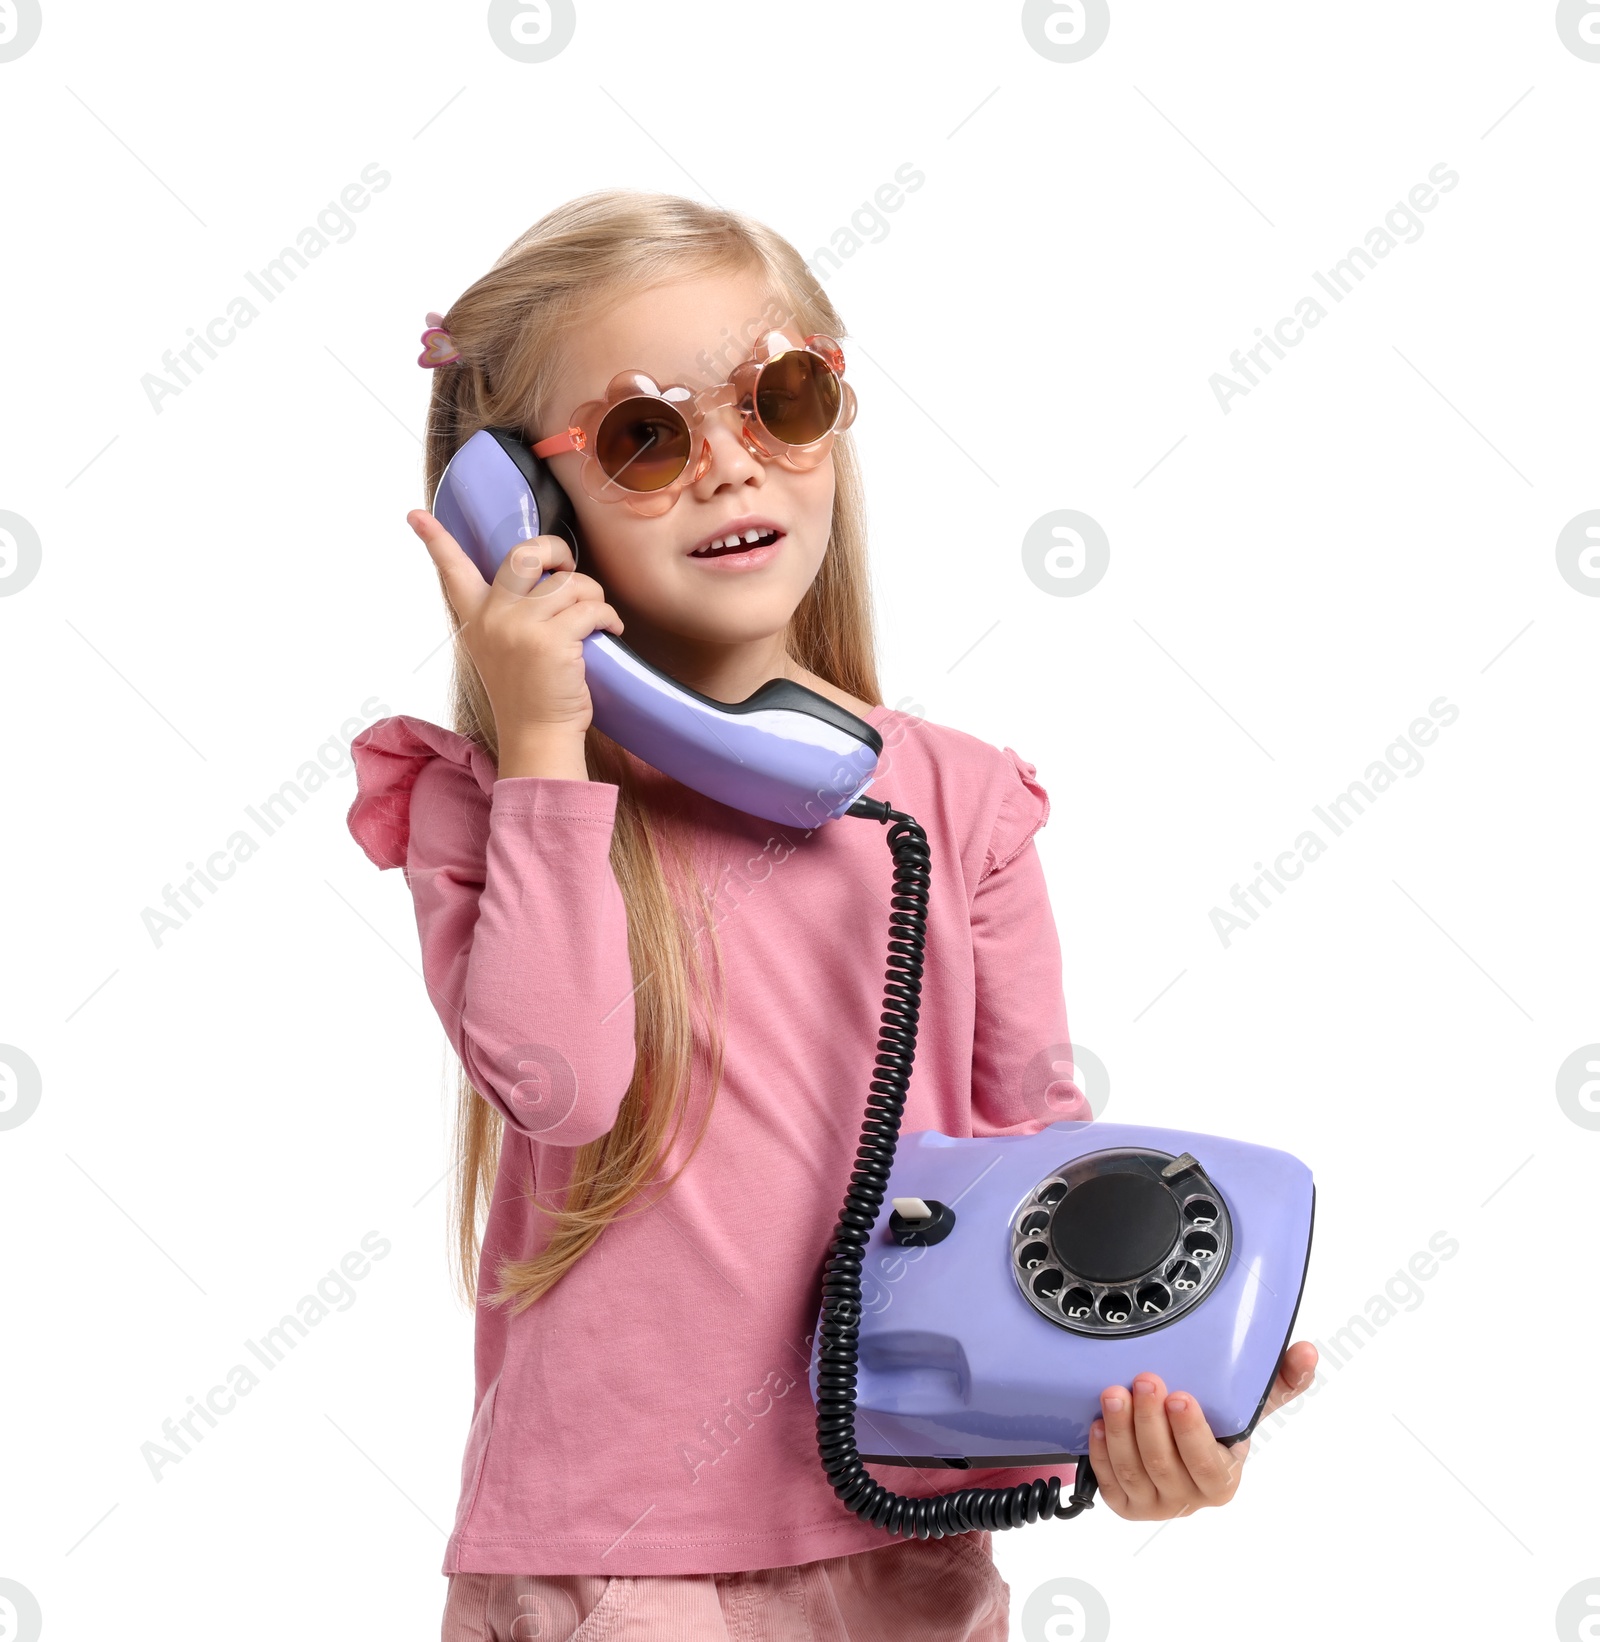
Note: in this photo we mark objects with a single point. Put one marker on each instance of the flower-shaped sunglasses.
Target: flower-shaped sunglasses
(638, 442)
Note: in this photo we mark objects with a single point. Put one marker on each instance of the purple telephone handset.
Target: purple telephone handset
(786, 754)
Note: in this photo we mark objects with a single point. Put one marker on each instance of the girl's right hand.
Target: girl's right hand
(526, 642)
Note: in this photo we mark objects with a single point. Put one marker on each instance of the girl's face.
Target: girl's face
(692, 332)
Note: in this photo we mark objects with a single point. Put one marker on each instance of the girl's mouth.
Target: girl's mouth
(737, 544)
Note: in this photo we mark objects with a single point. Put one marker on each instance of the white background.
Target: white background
(223, 584)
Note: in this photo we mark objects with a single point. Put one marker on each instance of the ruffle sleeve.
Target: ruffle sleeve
(1024, 809)
(1022, 1060)
(389, 755)
(521, 923)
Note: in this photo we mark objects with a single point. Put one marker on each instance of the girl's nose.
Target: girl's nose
(731, 462)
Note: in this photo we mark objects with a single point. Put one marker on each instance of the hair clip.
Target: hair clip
(438, 346)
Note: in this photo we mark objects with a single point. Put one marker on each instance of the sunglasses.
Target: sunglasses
(638, 442)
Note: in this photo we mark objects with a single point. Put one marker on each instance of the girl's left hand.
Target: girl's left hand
(1154, 1455)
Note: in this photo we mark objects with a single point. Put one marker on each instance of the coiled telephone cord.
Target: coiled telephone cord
(966, 1509)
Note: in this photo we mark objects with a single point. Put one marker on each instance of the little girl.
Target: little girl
(666, 1010)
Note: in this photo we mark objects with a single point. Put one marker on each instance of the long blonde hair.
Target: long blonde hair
(508, 327)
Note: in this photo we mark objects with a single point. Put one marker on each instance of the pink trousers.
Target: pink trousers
(935, 1590)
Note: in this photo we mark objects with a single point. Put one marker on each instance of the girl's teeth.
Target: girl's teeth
(734, 540)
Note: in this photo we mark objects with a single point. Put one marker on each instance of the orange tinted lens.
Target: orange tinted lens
(797, 397)
(643, 444)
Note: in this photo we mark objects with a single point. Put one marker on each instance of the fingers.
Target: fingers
(1299, 1366)
(464, 585)
(587, 615)
(522, 568)
(1295, 1373)
(1111, 1490)
(1124, 1464)
(1155, 1455)
(523, 631)
(1212, 1469)
(542, 569)
(1158, 1452)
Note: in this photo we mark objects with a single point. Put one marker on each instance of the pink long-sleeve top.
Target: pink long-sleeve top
(651, 1414)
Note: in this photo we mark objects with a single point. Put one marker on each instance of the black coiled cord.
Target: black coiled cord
(967, 1509)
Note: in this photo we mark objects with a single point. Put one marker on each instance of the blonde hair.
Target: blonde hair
(508, 327)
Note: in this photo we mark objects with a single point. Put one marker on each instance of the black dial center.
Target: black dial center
(1114, 1227)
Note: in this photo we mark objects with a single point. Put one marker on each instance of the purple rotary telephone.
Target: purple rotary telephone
(1081, 1256)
